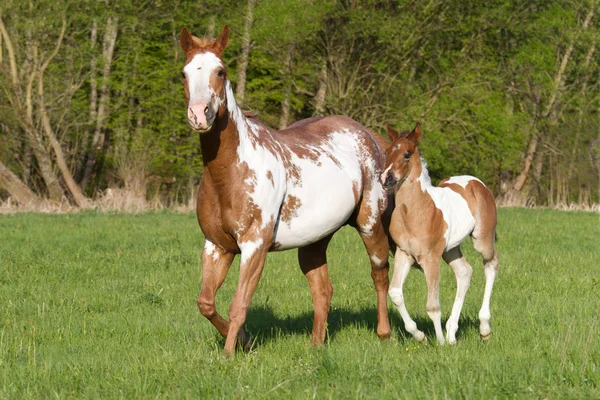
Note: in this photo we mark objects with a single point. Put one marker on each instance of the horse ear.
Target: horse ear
(185, 40)
(392, 134)
(416, 133)
(221, 41)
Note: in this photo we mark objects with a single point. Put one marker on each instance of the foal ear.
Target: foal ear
(392, 134)
(221, 41)
(416, 133)
(185, 40)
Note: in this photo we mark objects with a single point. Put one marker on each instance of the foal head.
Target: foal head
(401, 156)
(205, 78)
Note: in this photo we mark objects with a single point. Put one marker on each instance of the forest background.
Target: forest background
(92, 109)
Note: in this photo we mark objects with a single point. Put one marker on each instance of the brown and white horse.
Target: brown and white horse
(266, 190)
(431, 222)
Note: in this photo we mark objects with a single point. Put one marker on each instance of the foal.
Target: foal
(431, 222)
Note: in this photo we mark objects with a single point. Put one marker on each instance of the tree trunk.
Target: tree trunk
(322, 91)
(558, 82)
(24, 114)
(108, 47)
(284, 117)
(573, 157)
(16, 188)
(93, 104)
(240, 90)
(210, 32)
(75, 190)
(531, 148)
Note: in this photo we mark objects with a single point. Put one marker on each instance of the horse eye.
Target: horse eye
(407, 155)
(221, 73)
(183, 74)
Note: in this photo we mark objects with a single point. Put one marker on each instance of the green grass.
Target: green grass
(104, 306)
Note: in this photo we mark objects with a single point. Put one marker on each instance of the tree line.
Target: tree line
(91, 97)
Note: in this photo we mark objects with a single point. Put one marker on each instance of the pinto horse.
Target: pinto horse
(265, 190)
(429, 223)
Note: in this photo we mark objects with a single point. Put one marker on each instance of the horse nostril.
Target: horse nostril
(206, 110)
(389, 180)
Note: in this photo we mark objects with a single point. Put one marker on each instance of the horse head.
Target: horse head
(205, 79)
(399, 156)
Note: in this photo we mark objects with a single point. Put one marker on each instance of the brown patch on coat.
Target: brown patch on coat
(270, 177)
(290, 207)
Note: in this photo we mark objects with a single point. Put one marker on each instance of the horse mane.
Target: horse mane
(424, 178)
(203, 42)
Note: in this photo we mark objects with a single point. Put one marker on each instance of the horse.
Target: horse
(266, 190)
(429, 223)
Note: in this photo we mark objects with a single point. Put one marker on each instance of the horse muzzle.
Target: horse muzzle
(201, 117)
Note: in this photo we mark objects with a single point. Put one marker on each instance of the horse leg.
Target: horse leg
(402, 264)
(462, 271)
(252, 262)
(431, 268)
(215, 264)
(313, 262)
(377, 245)
(485, 246)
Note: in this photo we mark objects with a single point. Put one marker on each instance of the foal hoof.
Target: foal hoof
(420, 337)
(487, 337)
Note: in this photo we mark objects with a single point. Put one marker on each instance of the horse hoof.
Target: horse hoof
(487, 337)
(420, 337)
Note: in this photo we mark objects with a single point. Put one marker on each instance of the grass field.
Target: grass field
(104, 306)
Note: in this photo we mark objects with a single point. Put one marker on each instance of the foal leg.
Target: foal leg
(377, 246)
(252, 262)
(215, 264)
(402, 264)
(485, 246)
(431, 268)
(313, 262)
(462, 271)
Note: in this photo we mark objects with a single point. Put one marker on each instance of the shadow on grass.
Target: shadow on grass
(264, 326)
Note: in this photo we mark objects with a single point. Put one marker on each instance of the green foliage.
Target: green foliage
(104, 306)
(476, 74)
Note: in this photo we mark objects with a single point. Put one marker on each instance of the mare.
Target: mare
(265, 190)
(429, 223)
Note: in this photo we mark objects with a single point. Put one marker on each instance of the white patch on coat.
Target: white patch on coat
(463, 180)
(325, 191)
(454, 207)
(376, 260)
(249, 248)
(210, 250)
(198, 73)
(267, 195)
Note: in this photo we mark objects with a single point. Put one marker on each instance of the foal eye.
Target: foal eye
(407, 155)
(221, 73)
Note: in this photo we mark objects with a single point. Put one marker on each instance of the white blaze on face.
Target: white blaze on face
(383, 176)
(202, 95)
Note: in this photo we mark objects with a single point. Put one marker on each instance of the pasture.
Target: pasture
(104, 306)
